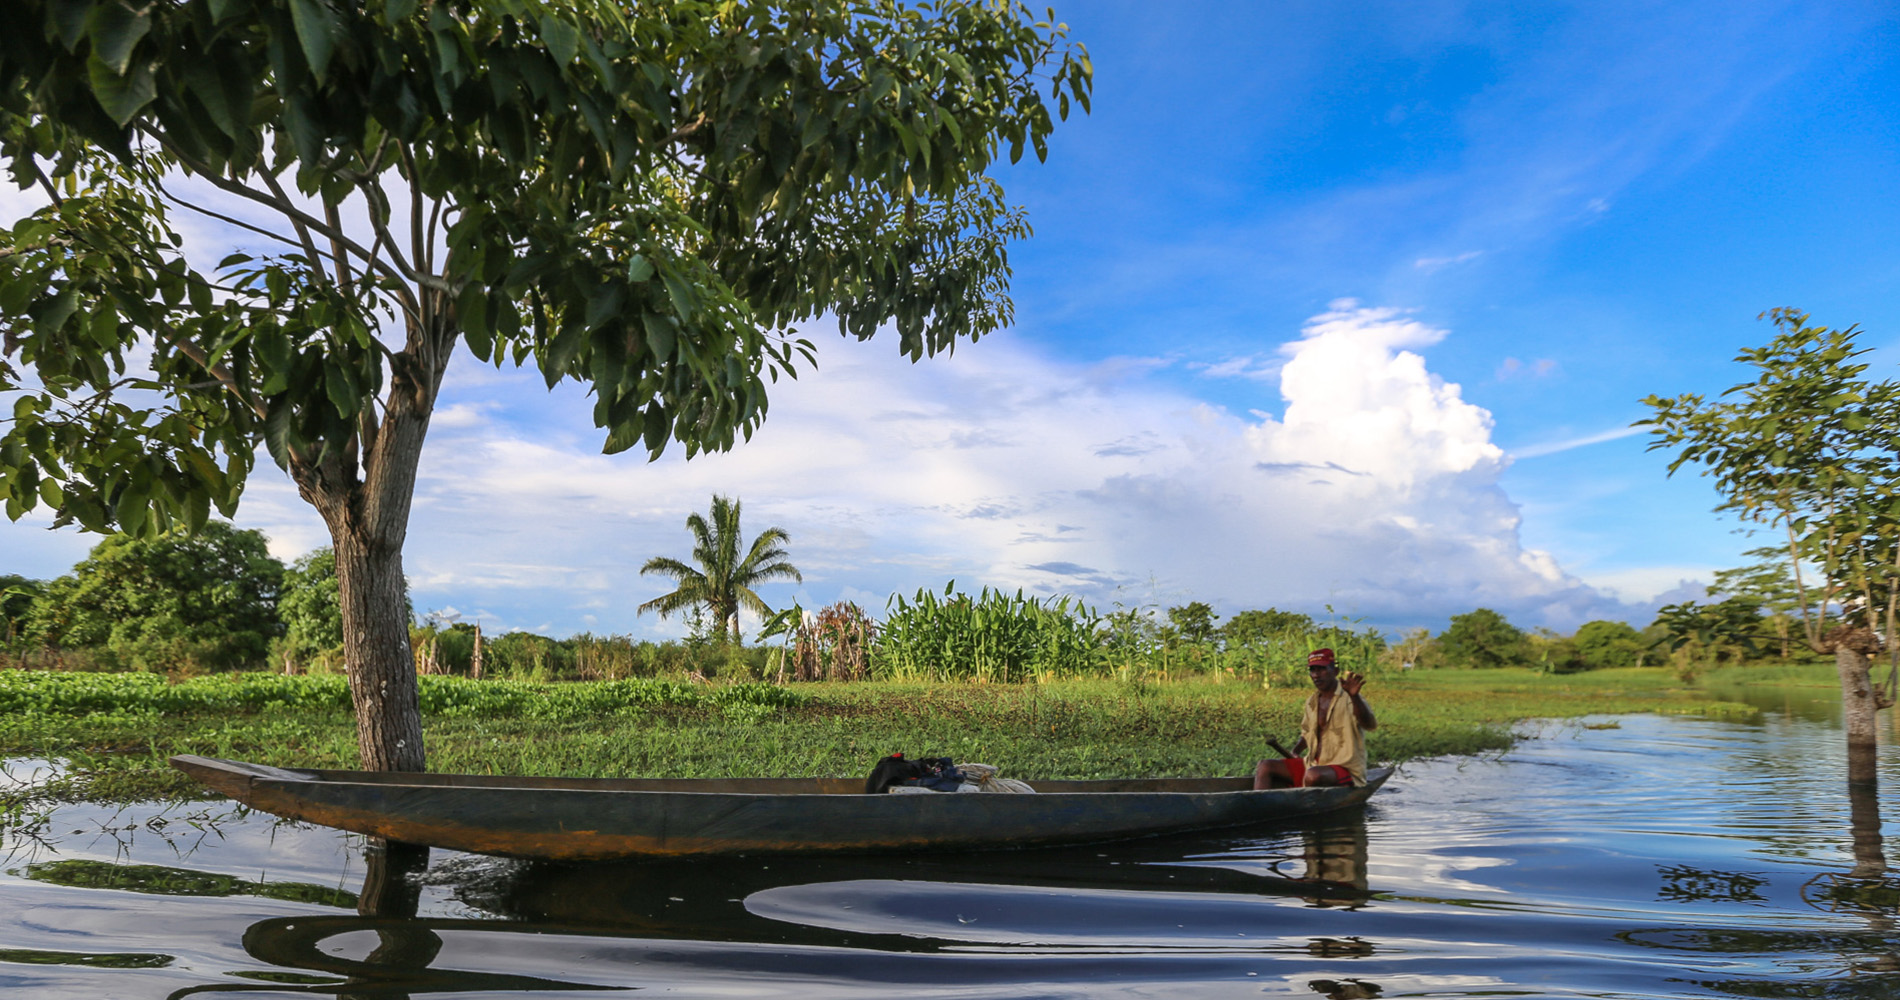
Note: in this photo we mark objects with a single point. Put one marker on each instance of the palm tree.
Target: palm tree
(723, 582)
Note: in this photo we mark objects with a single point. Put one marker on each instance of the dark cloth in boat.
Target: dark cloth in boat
(935, 773)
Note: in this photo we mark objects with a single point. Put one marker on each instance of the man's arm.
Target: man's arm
(1351, 683)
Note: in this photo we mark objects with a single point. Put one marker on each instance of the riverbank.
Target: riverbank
(114, 732)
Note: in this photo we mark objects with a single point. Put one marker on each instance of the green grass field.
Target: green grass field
(115, 731)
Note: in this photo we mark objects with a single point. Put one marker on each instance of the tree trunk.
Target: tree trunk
(368, 518)
(1857, 711)
(376, 648)
(475, 659)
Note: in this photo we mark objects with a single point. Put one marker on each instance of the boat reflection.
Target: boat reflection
(1110, 898)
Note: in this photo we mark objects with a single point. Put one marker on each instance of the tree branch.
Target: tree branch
(46, 244)
(226, 219)
(219, 372)
(292, 212)
(417, 249)
(285, 205)
(337, 252)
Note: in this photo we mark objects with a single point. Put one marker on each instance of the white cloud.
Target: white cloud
(1430, 264)
(1376, 491)
(1652, 586)
(1553, 447)
(1248, 366)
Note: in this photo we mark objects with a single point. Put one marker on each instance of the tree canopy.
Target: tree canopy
(1255, 627)
(1482, 638)
(644, 197)
(1811, 448)
(208, 597)
(727, 568)
(1610, 644)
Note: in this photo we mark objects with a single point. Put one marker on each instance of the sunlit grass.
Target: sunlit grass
(116, 733)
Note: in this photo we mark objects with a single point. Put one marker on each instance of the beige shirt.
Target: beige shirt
(1337, 737)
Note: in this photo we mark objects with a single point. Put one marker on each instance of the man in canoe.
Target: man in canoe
(1332, 745)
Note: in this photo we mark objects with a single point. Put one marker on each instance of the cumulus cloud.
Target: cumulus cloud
(1369, 484)
(1374, 489)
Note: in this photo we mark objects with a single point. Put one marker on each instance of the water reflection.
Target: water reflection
(1668, 857)
(399, 964)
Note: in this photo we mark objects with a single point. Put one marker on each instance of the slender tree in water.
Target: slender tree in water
(644, 197)
(727, 569)
(1811, 449)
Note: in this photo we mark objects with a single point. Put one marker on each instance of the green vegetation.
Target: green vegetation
(1807, 449)
(1482, 639)
(993, 637)
(176, 600)
(115, 731)
(645, 198)
(722, 583)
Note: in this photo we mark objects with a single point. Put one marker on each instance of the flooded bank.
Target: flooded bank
(1636, 857)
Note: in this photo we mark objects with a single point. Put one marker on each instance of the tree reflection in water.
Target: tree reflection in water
(396, 969)
(1867, 891)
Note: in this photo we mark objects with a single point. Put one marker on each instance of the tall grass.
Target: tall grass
(994, 637)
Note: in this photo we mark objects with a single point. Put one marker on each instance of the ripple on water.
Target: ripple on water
(1666, 857)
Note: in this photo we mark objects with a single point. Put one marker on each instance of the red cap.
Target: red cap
(1320, 658)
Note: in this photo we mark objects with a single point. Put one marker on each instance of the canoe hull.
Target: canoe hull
(578, 819)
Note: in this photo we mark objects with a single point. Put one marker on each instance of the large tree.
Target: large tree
(1811, 448)
(727, 568)
(645, 197)
(1483, 639)
(178, 598)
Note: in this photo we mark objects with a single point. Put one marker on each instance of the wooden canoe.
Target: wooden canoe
(595, 819)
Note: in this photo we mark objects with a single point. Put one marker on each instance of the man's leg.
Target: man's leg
(1326, 775)
(1276, 772)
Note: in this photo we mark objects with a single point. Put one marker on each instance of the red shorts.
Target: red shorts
(1297, 768)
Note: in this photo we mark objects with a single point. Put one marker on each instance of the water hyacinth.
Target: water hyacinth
(32, 692)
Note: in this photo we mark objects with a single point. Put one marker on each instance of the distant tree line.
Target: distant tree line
(216, 600)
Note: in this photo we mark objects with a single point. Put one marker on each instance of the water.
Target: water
(1654, 857)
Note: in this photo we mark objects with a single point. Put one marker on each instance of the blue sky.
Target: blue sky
(1322, 300)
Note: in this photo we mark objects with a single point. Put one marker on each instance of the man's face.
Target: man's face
(1324, 678)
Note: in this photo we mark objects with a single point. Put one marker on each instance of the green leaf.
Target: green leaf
(639, 268)
(50, 316)
(339, 383)
(622, 437)
(681, 293)
(563, 41)
(197, 509)
(656, 428)
(318, 31)
(660, 336)
(561, 352)
(69, 19)
(272, 346)
(604, 305)
(399, 10)
(122, 97)
(115, 29)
